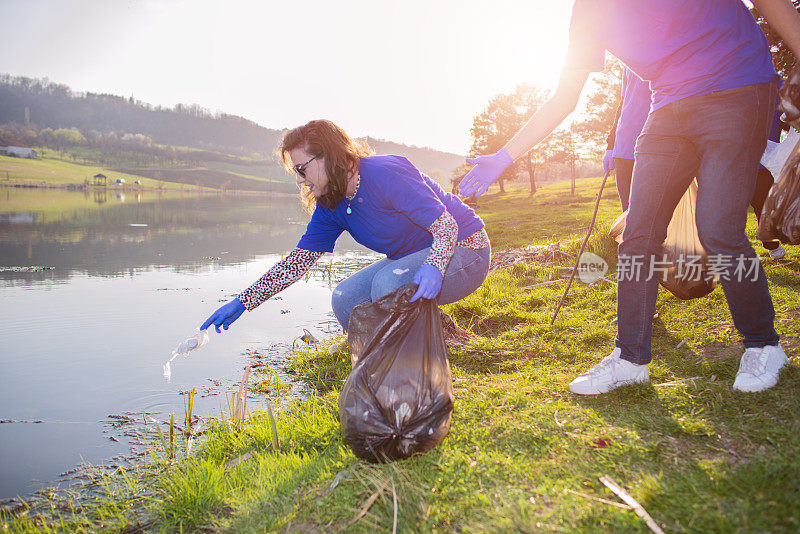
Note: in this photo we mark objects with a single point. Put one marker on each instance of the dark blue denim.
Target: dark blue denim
(719, 138)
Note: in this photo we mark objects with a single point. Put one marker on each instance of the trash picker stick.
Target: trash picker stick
(583, 247)
(633, 503)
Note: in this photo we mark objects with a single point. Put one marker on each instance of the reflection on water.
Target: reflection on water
(132, 275)
(71, 230)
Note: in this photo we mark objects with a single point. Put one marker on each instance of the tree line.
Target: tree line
(576, 147)
(54, 105)
(572, 150)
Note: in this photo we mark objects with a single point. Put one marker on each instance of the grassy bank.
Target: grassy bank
(523, 453)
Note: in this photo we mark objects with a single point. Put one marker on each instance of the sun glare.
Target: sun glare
(415, 71)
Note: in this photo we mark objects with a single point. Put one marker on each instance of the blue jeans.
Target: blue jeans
(719, 138)
(465, 273)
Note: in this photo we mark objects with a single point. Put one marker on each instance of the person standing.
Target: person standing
(714, 85)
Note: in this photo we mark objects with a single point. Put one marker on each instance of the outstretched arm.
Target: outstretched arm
(283, 274)
(487, 169)
(551, 114)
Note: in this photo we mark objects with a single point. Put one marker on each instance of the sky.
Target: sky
(410, 71)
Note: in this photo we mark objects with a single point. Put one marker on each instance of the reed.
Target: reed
(188, 410)
(171, 437)
(276, 444)
(237, 402)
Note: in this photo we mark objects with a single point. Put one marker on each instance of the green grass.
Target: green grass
(698, 456)
(51, 170)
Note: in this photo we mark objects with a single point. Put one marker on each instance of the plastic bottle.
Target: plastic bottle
(193, 342)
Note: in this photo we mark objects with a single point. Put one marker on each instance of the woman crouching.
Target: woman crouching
(430, 237)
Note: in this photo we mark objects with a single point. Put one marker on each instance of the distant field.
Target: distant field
(50, 171)
(210, 177)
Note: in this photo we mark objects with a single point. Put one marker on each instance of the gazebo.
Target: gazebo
(100, 179)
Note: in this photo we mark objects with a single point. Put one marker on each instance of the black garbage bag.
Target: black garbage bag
(398, 399)
(780, 216)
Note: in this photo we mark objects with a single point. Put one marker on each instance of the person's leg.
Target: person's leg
(465, 273)
(730, 130)
(396, 273)
(665, 166)
(764, 181)
(732, 137)
(354, 290)
(623, 168)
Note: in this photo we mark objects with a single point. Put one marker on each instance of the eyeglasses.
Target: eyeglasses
(300, 168)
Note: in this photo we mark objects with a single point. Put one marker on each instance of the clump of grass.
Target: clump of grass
(320, 368)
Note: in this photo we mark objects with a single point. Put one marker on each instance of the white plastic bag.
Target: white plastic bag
(193, 342)
(776, 154)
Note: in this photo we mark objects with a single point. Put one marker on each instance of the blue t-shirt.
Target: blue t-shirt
(635, 108)
(683, 48)
(393, 206)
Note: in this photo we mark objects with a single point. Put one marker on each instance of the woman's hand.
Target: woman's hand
(225, 315)
(429, 281)
(486, 171)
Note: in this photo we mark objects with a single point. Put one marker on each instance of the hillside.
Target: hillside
(35, 105)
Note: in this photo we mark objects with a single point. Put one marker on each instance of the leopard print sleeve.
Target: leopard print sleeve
(283, 274)
(445, 235)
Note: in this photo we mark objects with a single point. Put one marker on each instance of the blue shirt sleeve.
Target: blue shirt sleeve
(321, 233)
(407, 192)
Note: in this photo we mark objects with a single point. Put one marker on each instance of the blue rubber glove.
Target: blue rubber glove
(225, 315)
(429, 280)
(608, 161)
(486, 171)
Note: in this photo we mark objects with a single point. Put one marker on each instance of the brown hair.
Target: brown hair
(341, 154)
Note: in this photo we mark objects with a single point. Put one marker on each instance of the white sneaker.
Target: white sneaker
(778, 253)
(611, 373)
(759, 368)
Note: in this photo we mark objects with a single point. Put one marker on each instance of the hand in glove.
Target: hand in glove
(608, 161)
(429, 281)
(486, 171)
(225, 315)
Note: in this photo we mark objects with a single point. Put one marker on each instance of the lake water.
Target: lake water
(132, 275)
